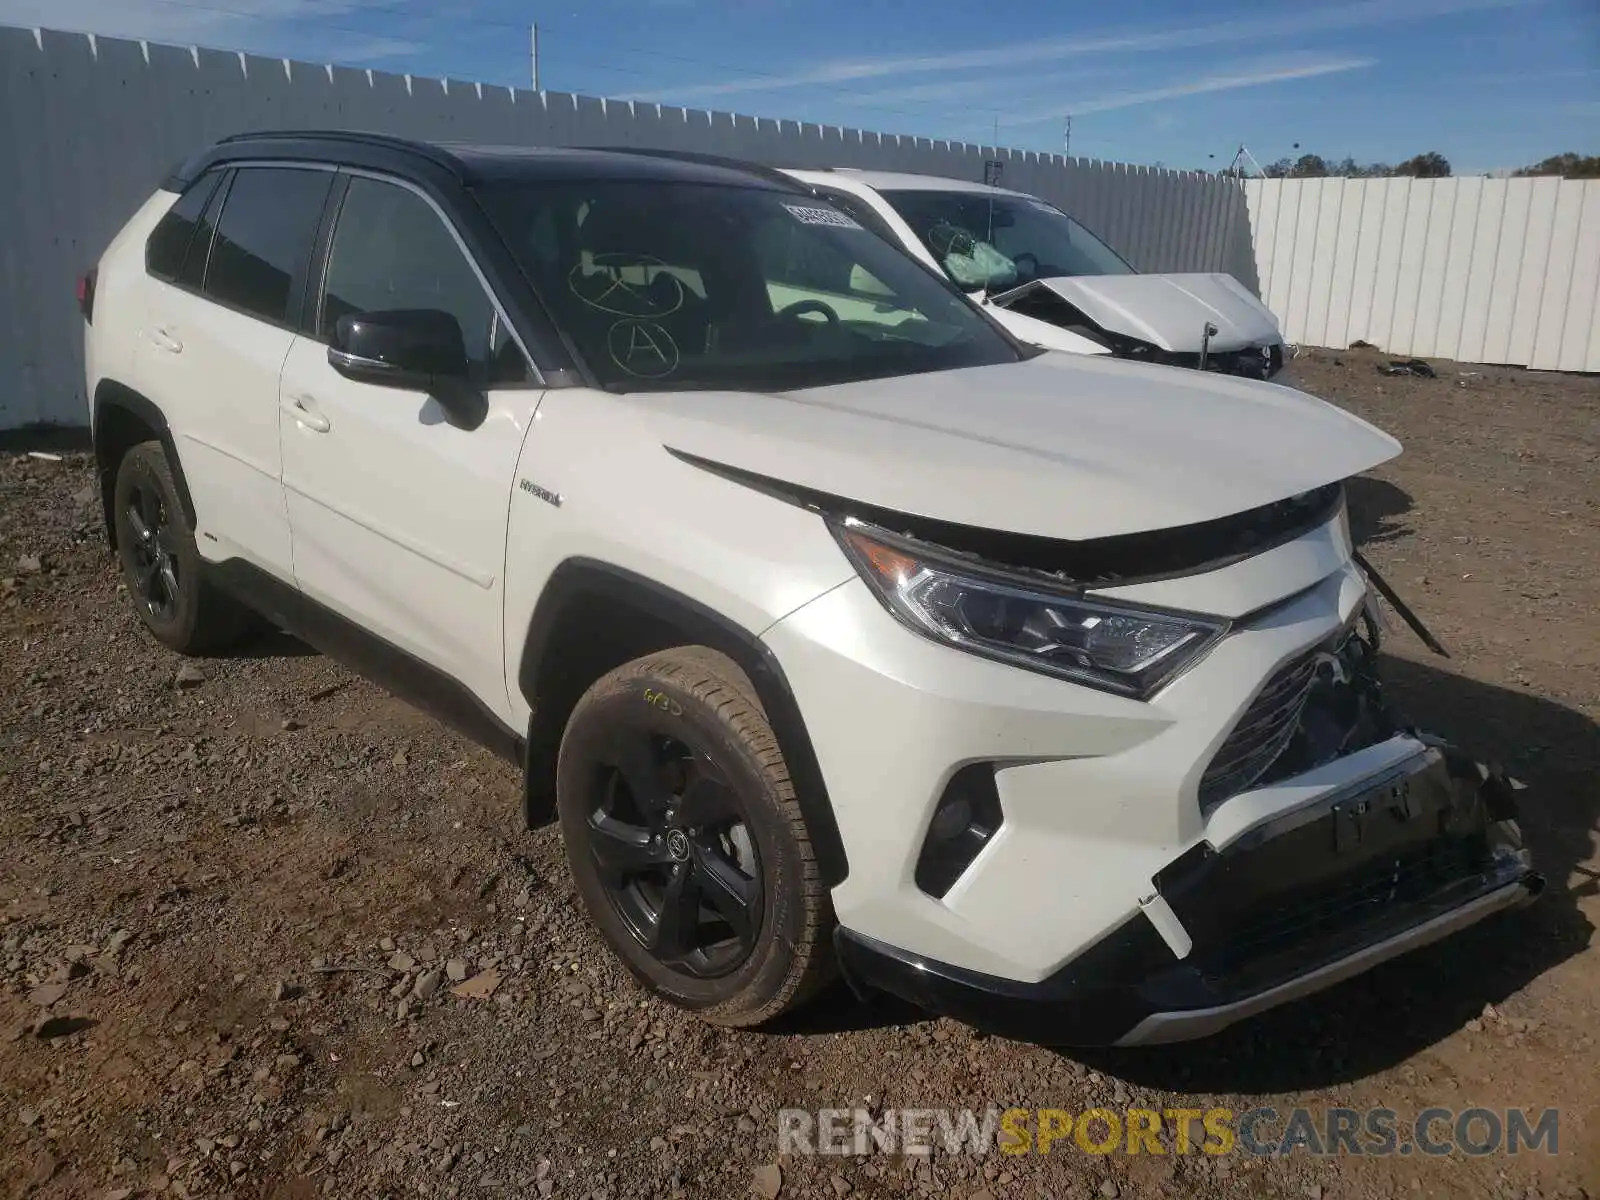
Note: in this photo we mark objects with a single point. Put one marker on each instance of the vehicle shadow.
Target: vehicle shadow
(1374, 506)
(837, 1010)
(265, 640)
(46, 439)
(1385, 1016)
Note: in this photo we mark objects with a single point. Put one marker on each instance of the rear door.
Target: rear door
(220, 328)
(398, 513)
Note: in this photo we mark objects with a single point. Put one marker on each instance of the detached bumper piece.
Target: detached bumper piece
(1312, 897)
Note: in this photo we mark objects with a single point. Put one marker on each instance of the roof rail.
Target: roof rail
(358, 136)
(760, 171)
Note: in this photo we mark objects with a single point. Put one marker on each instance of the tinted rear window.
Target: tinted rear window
(269, 221)
(169, 242)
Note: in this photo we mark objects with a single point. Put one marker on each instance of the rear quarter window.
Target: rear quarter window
(193, 274)
(169, 242)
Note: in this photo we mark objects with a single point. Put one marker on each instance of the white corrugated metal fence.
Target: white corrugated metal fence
(1478, 270)
(1481, 270)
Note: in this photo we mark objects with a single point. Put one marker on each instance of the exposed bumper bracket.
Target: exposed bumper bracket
(1164, 1027)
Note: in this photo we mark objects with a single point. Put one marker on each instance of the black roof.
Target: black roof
(472, 164)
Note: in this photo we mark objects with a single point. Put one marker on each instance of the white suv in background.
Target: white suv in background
(839, 629)
(1050, 281)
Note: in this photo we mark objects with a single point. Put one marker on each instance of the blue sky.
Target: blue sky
(1489, 83)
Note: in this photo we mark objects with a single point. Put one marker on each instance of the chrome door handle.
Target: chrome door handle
(295, 406)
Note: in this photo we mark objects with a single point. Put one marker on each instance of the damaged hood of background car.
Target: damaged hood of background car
(1167, 311)
(1056, 446)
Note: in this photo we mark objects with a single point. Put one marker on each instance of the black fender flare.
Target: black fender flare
(111, 400)
(673, 619)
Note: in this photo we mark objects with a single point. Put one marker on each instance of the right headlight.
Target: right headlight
(1105, 644)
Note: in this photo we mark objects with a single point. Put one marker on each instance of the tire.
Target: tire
(709, 783)
(155, 545)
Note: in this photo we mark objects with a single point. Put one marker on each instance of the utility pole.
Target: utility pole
(1066, 139)
(533, 48)
(1244, 155)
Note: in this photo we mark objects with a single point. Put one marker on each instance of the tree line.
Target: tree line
(1431, 165)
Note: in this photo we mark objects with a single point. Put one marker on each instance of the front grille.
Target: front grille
(1348, 904)
(1263, 733)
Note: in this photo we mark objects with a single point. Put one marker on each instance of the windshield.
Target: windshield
(662, 285)
(994, 241)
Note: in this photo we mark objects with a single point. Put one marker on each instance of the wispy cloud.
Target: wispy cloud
(253, 25)
(975, 89)
(1252, 30)
(1223, 81)
(359, 50)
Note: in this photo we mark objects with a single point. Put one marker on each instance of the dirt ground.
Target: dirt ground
(224, 891)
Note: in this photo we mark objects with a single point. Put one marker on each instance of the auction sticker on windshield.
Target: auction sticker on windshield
(807, 215)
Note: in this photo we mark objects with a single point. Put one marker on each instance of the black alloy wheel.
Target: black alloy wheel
(686, 842)
(153, 551)
(673, 851)
(160, 564)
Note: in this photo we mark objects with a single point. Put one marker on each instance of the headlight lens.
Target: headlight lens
(1102, 643)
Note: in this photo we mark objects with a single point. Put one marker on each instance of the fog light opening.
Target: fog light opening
(966, 818)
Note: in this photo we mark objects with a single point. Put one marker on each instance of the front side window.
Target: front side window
(677, 285)
(391, 251)
(993, 241)
(169, 241)
(264, 236)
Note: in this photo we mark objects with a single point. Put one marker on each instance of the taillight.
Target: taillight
(86, 293)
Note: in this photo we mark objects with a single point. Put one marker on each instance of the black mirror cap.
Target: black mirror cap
(417, 348)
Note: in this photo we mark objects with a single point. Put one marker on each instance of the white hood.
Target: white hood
(1058, 446)
(1040, 333)
(1168, 311)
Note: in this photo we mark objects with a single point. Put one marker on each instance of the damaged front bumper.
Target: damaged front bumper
(1306, 898)
(1251, 362)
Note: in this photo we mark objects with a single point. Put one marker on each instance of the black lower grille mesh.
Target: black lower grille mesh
(1353, 901)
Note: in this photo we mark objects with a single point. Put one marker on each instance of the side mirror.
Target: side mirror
(418, 349)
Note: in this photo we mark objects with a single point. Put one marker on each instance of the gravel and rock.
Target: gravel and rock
(265, 931)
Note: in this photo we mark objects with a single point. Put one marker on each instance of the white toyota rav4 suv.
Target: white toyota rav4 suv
(841, 630)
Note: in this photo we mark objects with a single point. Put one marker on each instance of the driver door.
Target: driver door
(396, 508)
